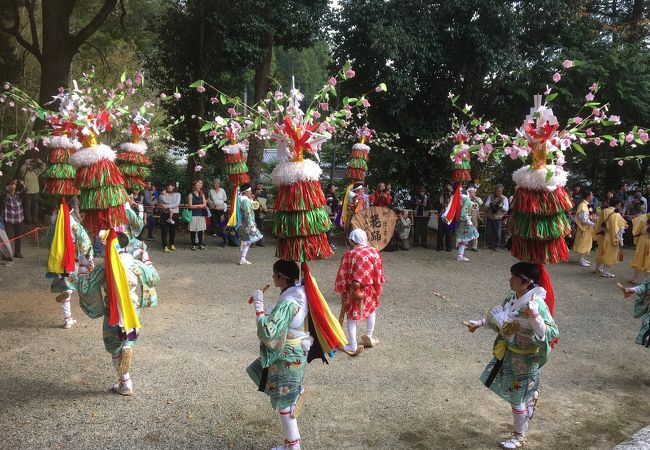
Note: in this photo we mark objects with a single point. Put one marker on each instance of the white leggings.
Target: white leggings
(520, 416)
(289, 426)
(352, 328)
(243, 249)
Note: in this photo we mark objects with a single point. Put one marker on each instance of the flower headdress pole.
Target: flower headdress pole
(462, 168)
(540, 205)
(132, 159)
(235, 168)
(357, 168)
(301, 221)
(60, 174)
(101, 183)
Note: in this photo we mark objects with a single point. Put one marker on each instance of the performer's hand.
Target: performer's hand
(258, 301)
(627, 292)
(533, 309)
(473, 325)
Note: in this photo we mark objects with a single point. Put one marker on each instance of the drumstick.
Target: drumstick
(250, 300)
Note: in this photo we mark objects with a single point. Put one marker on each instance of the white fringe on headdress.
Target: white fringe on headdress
(233, 149)
(360, 146)
(63, 142)
(535, 180)
(88, 156)
(290, 172)
(140, 147)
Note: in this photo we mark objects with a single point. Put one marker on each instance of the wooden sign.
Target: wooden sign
(378, 223)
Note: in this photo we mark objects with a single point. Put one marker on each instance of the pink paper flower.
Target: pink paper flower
(120, 85)
(548, 90)
(177, 95)
(615, 119)
(131, 91)
(350, 73)
(643, 136)
(598, 141)
(316, 114)
(129, 82)
(567, 63)
(589, 97)
(593, 87)
(200, 89)
(556, 77)
(214, 100)
(200, 152)
(365, 102)
(613, 143)
(629, 138)
(139, 78)
(233, 112)
(332, 81)
(198, 168)
(595, 112)
(589, 132)
(163, 95)
(324, 106)
(577, 120)
(620, 162)
(449, 96)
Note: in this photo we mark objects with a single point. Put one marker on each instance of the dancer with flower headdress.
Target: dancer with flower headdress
(526, 331)
(110, 291)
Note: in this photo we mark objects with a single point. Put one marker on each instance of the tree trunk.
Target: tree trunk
(262, 85)
(58, 49)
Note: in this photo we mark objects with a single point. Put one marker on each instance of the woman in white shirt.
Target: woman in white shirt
(217, 203)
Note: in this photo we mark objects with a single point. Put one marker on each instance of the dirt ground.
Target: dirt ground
(418, 390)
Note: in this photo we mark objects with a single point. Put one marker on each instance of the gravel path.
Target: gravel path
(418, 390)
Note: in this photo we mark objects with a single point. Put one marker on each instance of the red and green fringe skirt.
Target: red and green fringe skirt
(238, 178)
(103, 197)
(306, 248)
(60, 155)
(541, 202)
(356, 174)
(358, 163)
(102, 173)
(539, 226)
(301, 196)
(301, 223)
(356, 153)
(134, 158)
(60, 186)
(96, 220)
(60, 171)
(539, 252)
(133, 183)
(236, 158)
(460, 175)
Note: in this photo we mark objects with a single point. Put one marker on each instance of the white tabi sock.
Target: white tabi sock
(243, 250)
(352, 335)
(289, 428)
(370, 324)
(65, 308)
(126, 380)
(520, 417)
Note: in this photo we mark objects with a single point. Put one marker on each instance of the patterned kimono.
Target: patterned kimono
(83, 249)
(363, 265)
(93, 303)
(466, 231)
(514, 372)
(280, 369)
(641, 233)
(642, 309)
(248, 230)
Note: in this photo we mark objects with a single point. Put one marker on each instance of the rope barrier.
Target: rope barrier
(35, 230)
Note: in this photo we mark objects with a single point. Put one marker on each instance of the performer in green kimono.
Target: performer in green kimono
(525, 330)
(641, 309)
(466, 231)
(248, 231)
(280, 369)
(121, 323)
(64, 284)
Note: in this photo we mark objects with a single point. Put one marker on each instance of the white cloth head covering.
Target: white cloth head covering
(359, 236)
